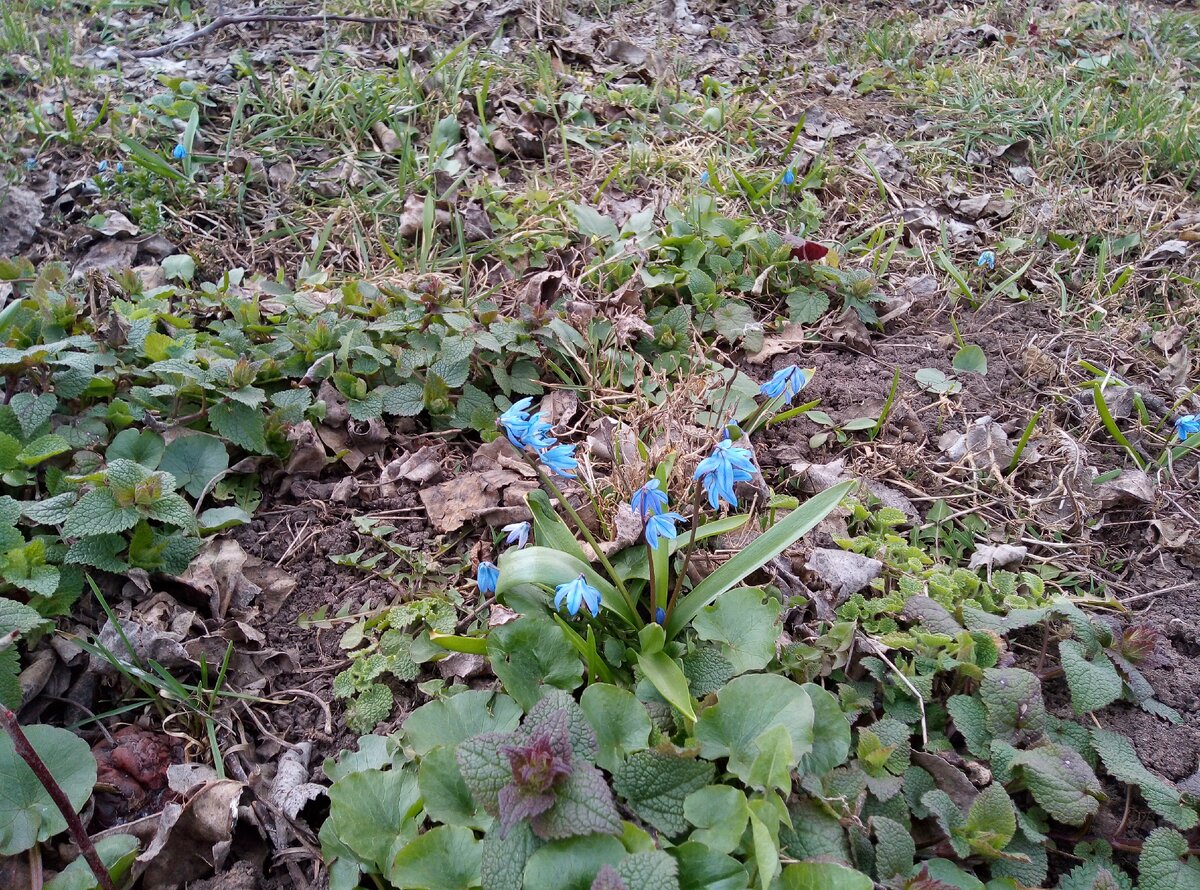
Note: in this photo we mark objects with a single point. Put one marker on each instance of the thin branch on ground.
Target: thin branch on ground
(225, 21)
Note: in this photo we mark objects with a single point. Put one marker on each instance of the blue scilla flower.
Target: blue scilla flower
(649, 500)
(102, 167)
(560, 460)
(786, 382)
(577, 593)
(486, 577)
(518, 533)
(660, 615)
(537, 433)
(515, 421)
(720, 470)
(704, 177)
(179, 152)
(789, 177)
(31, 163)
(661, 526)
(1186, 426)
(987, 259)
(120, 167)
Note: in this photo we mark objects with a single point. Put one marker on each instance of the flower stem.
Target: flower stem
(587, 535)
(687, 554)
(78, 833)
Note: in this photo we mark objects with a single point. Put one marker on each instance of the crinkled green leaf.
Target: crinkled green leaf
(1094, 683)
(241, 425)
(1013, 698)
(970, 719)
(28, 815)
(655, 784)
(10, 668)
(649, 870)
(895, 848)
(991, 821)
(1164, 863)
(949, 817)
(558, 712)
(98, 513)
(43, 448)
(502, 865)
(32, 411)
(583, 804)
(745, 626)
(703, 869)
(1121, 762)
(707, 670)
(484, 769)
(1025, 861)
(1061, 782)
(51, 511)
(449, 721)
(172, 509)
(814, 834)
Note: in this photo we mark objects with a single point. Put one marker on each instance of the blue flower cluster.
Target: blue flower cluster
(531, 430)
(650, 503)
(1186, 426)
(720, 470)
(786, 382)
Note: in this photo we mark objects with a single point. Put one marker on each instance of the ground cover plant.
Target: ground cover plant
(599, 445)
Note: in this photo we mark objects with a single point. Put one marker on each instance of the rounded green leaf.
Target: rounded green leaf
(194, 461)
(370, 809)
(116, 852)
(823, 876)
(455, 719)
(445, 795)
(621, 722)
(145, 447)
(571, 864)
(443, 858)
(747, 708)
(27, 813)
(831, 733)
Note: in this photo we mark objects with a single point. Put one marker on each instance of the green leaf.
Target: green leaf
(218, 519)
(484, 769)
(43, 448)
(98, 513)
(32, 411)
(745, 626)
(583, 804)
(443, 858)
(372, 809)
(1013, 698)
(949, 817)
(10, 684)
(591, 222)
(747, 707)
(444, 793)
(28, 815)
(503, 860)
(667, 677)
(970, 719)
(1025, 861)
(647, 870)
(970, 360)
(145, 447)
(621, 723)
(655, 784)
(935, 381)
(720, 813)
(452, 720)
(179, 266)
(806, 306)
(1164, 864)
(822, 876)
(735, 321)
(547, 567)
(117, 852)
(707, 670)
(895, 848)
(571, 864)
(1093, 683)
(241, 425)
(1121, 762)
(991, 821)
(758, 553)
(814, 834)
(530, 653)
(1061, 782)
(51, 511)
(172, 509)
(703, 869)
(195, 460)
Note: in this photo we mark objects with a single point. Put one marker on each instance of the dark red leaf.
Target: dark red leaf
(804, 250)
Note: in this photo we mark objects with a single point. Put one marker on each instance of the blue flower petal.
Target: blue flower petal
(486, 577)
(649, 500)
(518, 533)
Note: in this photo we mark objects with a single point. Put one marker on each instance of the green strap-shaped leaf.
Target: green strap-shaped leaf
(762, 550)
(548, 567)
